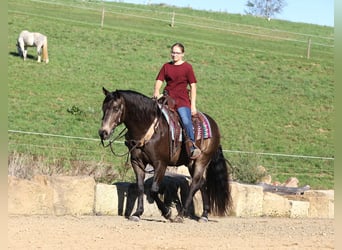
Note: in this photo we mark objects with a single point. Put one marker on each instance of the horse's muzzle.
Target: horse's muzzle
(104, 135)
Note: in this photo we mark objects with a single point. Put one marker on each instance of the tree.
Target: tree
(265, 8)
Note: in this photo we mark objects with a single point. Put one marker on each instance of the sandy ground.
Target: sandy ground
(116, 232)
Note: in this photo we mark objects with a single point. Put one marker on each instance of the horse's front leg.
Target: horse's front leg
(157, 179)
(140, 176)
(25, 53)
(165, 211)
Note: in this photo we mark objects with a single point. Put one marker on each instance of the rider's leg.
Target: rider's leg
(185, 115)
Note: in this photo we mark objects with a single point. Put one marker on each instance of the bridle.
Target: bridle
(110, 143)
(120, 135)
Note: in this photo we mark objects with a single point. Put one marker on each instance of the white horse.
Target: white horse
(33, 39)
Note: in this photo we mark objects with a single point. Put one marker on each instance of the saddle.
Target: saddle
(178, 135)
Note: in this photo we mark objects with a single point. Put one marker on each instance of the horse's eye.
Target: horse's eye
(116, 109)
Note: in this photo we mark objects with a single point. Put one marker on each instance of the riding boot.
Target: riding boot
(188, 145)
(192, 150)
(195, 151)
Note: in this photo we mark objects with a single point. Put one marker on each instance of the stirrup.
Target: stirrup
(195, 153)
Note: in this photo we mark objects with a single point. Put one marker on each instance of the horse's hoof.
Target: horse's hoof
(178, 219)
(168, 215)
(134, 218)
(203, 220)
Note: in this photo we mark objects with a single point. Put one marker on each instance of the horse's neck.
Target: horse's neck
(138, 127)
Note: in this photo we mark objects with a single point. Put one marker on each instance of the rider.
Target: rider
(178, 74)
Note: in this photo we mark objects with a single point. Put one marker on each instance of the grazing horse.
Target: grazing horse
(33, 39)
(148, 140)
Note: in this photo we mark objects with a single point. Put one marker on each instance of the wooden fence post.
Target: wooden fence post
(308, 49)
(173, 19)
(102, 19)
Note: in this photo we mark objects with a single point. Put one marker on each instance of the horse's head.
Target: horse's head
(20, 53)
(113, 108)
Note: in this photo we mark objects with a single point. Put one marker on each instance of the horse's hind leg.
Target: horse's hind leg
(39, 53)
(206, 205)
(196, 184)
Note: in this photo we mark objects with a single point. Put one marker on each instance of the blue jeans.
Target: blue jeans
(185, 115)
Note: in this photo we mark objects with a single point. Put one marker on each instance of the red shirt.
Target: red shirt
(177, 78)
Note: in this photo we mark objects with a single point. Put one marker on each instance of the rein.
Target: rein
(110, 142)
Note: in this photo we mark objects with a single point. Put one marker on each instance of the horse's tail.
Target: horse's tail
(45, 51)
(218, 188)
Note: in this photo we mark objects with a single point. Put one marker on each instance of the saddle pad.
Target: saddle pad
(203, 127)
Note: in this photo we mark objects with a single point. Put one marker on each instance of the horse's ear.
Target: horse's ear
(105, 91)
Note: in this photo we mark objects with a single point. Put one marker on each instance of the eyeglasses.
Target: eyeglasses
(176, 53)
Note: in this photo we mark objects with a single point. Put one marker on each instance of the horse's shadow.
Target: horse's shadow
(168, 189)
(16, 54)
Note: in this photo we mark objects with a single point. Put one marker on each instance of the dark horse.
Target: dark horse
(148, 137)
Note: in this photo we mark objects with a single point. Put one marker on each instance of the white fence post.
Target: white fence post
(308, 49)
(102, 19)
(173, 19)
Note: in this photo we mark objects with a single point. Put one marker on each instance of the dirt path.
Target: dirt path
(115, 232)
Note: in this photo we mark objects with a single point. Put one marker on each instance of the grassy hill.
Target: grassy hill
(274, 105)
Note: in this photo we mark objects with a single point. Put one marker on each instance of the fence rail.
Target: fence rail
(176, 18)
(224, 150)
(63, 152)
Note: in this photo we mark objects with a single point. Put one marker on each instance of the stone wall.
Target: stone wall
(80, 195)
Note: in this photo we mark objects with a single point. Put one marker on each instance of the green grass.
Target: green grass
(253, 78)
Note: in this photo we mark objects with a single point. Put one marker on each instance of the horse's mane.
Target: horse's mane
(144, 107)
